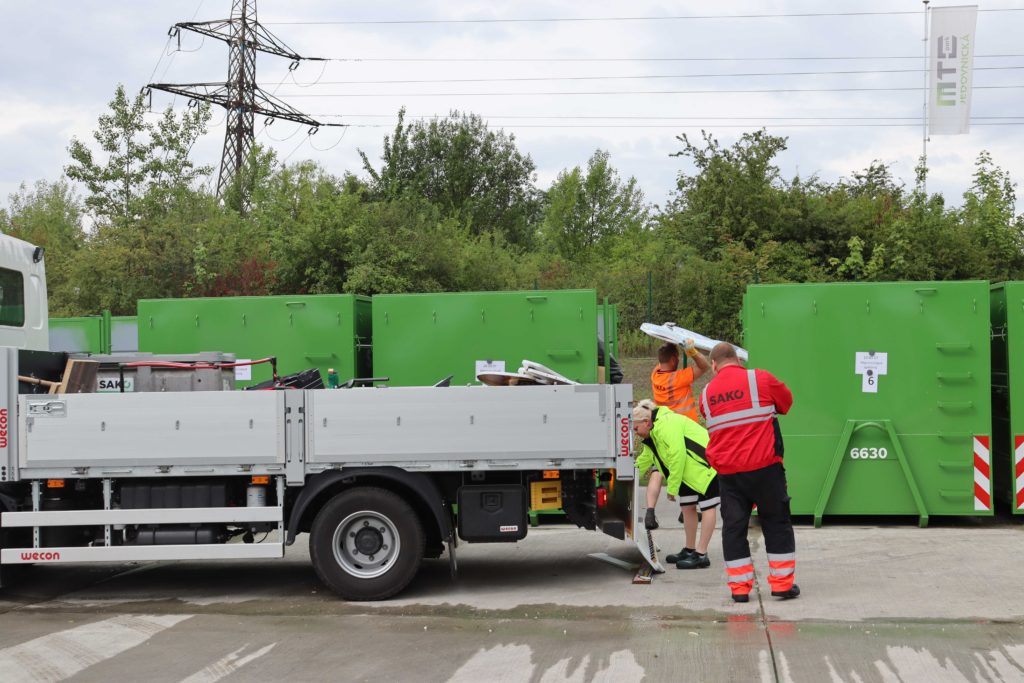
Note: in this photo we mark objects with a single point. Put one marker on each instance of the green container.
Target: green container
(911, 441)
(77, 335)
(1008, 393)
(608, 327)
(322, 331)
(100, 334)
(419, 339)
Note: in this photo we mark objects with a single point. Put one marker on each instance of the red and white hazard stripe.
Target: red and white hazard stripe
(1018, 469)
(982, 474)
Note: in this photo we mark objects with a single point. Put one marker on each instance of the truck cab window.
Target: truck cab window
(12, 298)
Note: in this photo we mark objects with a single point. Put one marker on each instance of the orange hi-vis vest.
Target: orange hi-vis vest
(673, 390)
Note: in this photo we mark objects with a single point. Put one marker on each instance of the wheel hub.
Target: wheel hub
(368, 540)
(366, 544)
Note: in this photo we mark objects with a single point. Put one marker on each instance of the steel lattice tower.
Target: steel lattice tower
(239, 95)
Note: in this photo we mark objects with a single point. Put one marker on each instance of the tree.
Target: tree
(735, 195)
(472, 173)
(49, 215)
(142, 159)
(584, 209)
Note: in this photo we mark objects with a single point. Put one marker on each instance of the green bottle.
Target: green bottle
(332, 379)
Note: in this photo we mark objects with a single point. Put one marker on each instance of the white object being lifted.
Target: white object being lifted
(530, 373)
(543, 373)
(671, 332)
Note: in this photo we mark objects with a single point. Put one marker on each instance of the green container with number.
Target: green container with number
(419, 339)
(892, 394)
(323, 331)
(1008, 394)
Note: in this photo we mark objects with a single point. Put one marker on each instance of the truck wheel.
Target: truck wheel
(366, 544)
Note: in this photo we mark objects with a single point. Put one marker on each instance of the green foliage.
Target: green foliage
(144, 162)
(454, 207)
(470, 172)
(49, 215)
(585, 209)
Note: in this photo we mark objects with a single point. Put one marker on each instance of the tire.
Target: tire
(357, 525)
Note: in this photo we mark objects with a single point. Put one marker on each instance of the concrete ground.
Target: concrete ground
(892, 603)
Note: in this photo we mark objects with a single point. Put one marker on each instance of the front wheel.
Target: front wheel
(366, 544)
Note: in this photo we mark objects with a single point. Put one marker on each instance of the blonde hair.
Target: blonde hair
(642, 410)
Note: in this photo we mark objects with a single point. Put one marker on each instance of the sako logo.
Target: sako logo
(36, 556)
(624, 438)
(3, 427)
(727, 396)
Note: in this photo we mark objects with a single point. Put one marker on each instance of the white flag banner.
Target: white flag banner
(951, 69)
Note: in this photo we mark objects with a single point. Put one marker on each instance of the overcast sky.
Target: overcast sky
(62, 61)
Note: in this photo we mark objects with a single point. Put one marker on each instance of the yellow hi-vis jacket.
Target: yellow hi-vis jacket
(676, 447)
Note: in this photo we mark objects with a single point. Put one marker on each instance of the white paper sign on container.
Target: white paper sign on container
(486, 366)
(870, 365)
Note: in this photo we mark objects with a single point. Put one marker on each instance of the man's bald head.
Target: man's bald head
(724, 353)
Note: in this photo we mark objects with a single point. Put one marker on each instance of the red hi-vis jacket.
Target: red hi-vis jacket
(739, 408)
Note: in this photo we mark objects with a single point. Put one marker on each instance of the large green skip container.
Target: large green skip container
(911, 441)
(419, 339)
(322, 331)
(1008, 393)
(94, 334)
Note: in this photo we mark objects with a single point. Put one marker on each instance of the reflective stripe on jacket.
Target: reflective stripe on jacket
(676, 447)
(673, 390)
(739, 408)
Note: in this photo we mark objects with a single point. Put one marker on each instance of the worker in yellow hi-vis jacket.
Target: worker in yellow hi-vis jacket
(675, 444)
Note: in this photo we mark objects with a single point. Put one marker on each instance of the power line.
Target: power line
(677, 17)
(699, 126)
(521, 79)
(645, 92)
(661, 118)
(643, 59)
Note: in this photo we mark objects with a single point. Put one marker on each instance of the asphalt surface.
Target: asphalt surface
(890, 603)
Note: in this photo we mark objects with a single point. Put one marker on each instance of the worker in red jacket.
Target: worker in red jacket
(739, 408)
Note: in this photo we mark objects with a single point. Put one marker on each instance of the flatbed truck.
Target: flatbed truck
(379, 477)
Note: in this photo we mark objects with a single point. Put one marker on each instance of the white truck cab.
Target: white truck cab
(24, 321)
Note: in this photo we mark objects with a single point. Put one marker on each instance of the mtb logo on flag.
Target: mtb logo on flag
(982, 474)
(951, 69)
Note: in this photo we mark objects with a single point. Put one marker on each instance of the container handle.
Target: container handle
(946, 436)
(954, 346)
(535, 298)
(955, 405)
(294, 303)
(926, 290)
(954, 376)
(563, 353)
(320, 356)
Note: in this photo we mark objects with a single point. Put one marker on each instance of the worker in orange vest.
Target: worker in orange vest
(672, 388)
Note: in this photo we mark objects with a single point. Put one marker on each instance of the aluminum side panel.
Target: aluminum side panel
(409, 424)
(198, 428)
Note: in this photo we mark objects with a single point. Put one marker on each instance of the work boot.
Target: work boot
(650, 521)
(741, 597)
(681, 555)
(694, 561)
(793, 592)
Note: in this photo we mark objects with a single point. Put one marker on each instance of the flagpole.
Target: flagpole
(924, 107)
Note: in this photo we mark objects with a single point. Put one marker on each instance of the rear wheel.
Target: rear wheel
(366, 544)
